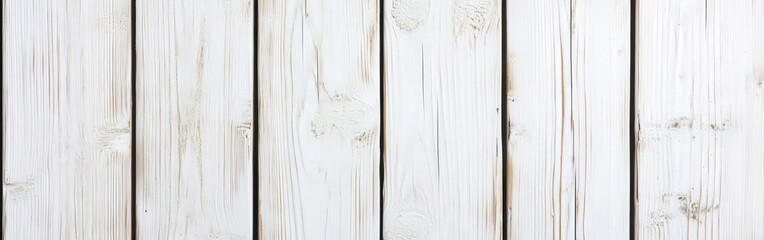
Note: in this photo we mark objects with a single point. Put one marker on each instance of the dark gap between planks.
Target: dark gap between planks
(255, 127)
(632, 124)
(504, 122)
(133, 214)
(382, 119)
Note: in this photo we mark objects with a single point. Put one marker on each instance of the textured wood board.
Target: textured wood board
(443, 162)
(194, 92)
(700, 75)
(600, 45)
(540, 173)
(568, 119)
(66, 119)
(319, 126)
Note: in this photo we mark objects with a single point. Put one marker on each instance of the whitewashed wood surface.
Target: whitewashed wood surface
(600, 95)
(66, 119)
(700, 111)
(194, 92)
(319, 126)
(383, 119)
(568, 115)
(540, 175)
(443, 104)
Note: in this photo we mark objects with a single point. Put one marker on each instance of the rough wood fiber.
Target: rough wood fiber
(568, 107)
(540, 174)
(600, 117)
(319, 119)
(194, 89)
(700, 105)
(66, 128)
(442, 119)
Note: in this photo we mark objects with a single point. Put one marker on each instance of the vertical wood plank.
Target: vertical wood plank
(700, 80)
(540, 175)
(568, 112)
(66, 129)
(443, 120)
(194, 89)
(601, 31)
(319, 120)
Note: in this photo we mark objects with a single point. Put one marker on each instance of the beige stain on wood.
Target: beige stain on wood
(194, 89)
(700, 119)
(443, 120)
(66, 120)
(568, 112)
(319, 119)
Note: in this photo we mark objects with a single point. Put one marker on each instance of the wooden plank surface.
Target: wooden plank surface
(600, 117)
(700, 106)
(319, 122)
(540, 174)
(442, 120)
(66, 111)
(568, 119)
(194, 92)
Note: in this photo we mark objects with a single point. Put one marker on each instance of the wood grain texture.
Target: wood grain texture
(700, 106)
(66, 111)
(443, 120)
(600, 117)
(194, 92)
(540, 172)
(568, 112)
(319, 122)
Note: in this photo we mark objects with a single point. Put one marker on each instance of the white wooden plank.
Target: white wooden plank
(600, 117)
(540, 174)
(443, 120)
(66, 111)
(319, 125)
(568, 113)
(194, 90)
(700, 108)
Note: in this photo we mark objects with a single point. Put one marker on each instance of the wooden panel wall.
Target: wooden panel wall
(442, 120)
(66, 119)
(568, 119)
(319, 125)
(700, 109)
(434, 121)
(194, 92)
